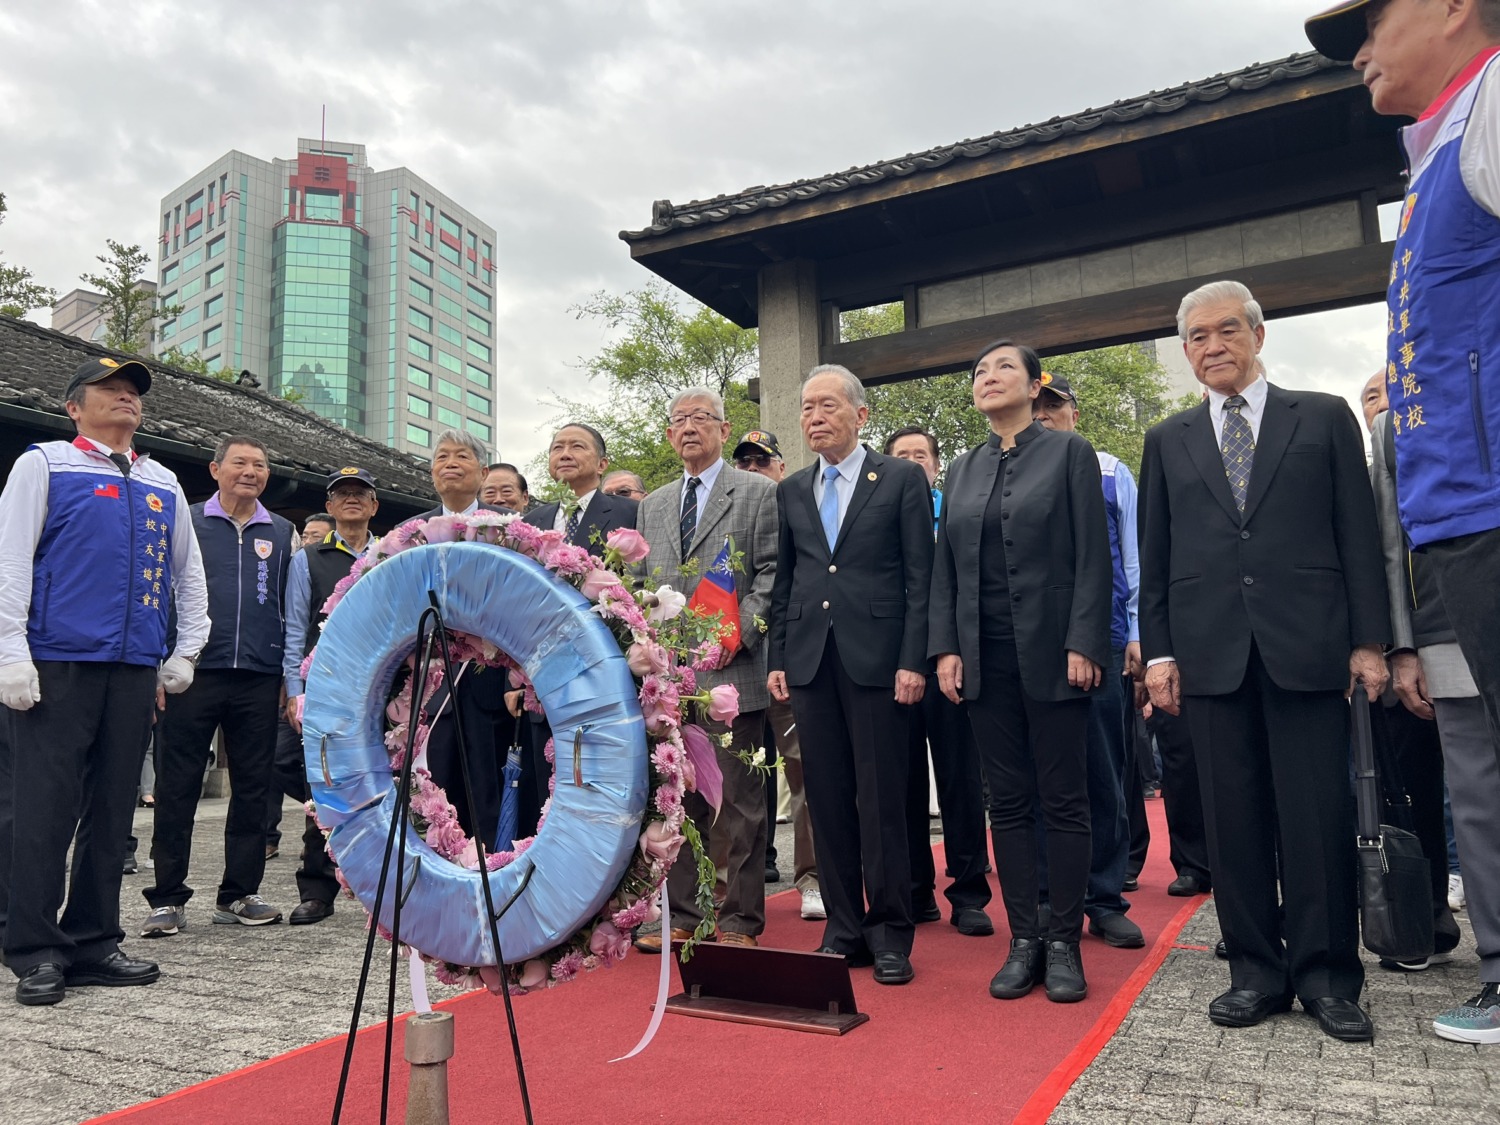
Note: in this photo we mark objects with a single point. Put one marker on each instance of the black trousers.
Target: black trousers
(1032, 749)
(943, 725)
(244, 704)
(76, 760)
(536, 772)
(1468, 578)
(316, 880)
(856, 753)
(1182, 795)
(478, 701)
(1275, 763)
(1135, 797)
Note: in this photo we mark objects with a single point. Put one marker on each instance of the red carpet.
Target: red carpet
(939, 1049)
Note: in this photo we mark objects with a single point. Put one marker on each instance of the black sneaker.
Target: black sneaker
(1064, 979)
(1022, 970)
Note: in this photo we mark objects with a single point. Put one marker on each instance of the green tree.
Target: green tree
(129, 309)
(660, 350)
(19, 294)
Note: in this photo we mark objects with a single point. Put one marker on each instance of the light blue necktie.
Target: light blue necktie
(829, 509)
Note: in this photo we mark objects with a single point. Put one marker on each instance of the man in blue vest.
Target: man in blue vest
(95, 546)
(1108, 758)
(1436, 62)
(246, 551)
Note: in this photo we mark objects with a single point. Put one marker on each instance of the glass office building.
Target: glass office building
(370, 294)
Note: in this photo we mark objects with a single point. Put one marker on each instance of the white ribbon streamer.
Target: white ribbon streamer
(419, 1002)
(663, 985)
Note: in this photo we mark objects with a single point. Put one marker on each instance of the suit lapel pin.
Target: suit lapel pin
(871, 476)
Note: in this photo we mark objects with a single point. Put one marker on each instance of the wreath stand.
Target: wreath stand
(429, 1036)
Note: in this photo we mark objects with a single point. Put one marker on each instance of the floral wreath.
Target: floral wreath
(665, 649)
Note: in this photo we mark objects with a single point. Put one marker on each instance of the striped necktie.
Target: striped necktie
(688, 525)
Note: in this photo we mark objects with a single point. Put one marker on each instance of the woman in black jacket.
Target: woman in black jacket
(1019, 624)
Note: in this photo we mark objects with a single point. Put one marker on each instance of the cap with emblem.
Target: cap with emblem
(101, 368)
(762, 441)
(1340, 31)
(350, 473)
(1058, 386)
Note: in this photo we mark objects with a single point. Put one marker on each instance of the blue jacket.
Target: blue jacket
(246, 572)
(1443, 363)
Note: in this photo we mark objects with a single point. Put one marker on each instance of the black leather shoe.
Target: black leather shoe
(973, 922)
(42, 984)
(1186, 886)
(1132, 883)
(893, 968)
(1221, 951)
(1244, 1007)
(1342, 1019)
(310, 910)
(116, 970)
(1064, 976)
(1117, 930)
(926, 910)
(773, 873)
(853, 960)
(1022, 970)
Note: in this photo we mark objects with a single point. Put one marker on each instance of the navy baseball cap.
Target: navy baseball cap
(101, 368)
(1339, 32)
(1058, 386)
(350, 473)
(763, 441)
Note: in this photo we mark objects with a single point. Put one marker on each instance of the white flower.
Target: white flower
(759, 757)
(669, 603)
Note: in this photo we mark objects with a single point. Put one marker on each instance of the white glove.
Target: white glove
(176, 675)
(19, 687)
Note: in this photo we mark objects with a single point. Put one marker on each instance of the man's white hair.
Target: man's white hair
(854, 390)
(1214, 292)
(715, 399)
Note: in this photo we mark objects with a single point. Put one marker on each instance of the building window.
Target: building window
(450, 417)
(451, 279)
(413, 202)
(322, 205)
(192, 261)
(478, 323)
(449, 253)
(193, 233)
(481, 430)
(419, 406)
(418, 290)
(448, 226)
(419, 263)
(216, 247)
(169, 273)
(477, 402)
(450, 306)
(479, 297)
(214, 276)
(418, 436)
(417, 377)
(451, 334)
(452, 390)
(419, 319)
(213, 335)
(479, 375)
(478, 350)
(419, 348)
(213, 306)
(187, 320)
(190, 289)
(166, 332)
(451, 362)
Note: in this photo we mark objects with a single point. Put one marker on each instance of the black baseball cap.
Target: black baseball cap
(348, 473)
(1058, 386)
(101, 368)
(1340, 31)
(763, 441)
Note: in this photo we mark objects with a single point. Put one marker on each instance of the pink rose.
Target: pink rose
(534, 973)
(660, 843)
(595, 582)
(608, 943)
(629, 542)
(647, 658)
(444, 529)
(547, 543)
(660, 716)
(723, 703)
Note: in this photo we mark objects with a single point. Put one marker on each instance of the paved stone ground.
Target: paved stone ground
(233, 995)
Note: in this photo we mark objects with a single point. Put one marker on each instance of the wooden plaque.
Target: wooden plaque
(772, 987)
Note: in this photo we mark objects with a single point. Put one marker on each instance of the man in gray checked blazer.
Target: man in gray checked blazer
(686, 523)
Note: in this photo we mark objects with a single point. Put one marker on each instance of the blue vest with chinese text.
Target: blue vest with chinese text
(1443, 361)
(102, 569)
(1119, 616)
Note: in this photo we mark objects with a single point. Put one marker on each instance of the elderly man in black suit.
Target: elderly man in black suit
(1262, 601)
(849, 649)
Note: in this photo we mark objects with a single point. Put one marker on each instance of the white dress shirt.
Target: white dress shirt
(843, 484)
(706, 481)
(1253, 410)
(469, 511)
(560, 521)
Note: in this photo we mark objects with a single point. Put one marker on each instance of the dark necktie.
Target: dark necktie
(122, 460)
(575, 516)
(1237, 447)
(689, 522)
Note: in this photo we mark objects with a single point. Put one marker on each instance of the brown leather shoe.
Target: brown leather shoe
(651, 943)
(729, 937)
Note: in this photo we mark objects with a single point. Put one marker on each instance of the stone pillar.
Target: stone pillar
(429, 1046)
(788, 351)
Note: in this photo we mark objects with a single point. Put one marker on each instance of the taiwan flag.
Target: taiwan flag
(715, 594)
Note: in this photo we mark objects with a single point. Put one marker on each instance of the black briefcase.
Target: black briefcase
(1395, 881)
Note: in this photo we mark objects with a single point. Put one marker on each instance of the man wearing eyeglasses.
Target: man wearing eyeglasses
(625, 484)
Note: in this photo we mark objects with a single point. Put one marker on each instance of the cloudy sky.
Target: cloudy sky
(559, 122)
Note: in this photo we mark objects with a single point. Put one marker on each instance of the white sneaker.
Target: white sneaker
(812, 906)
(252, 910)
(1456, 899)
